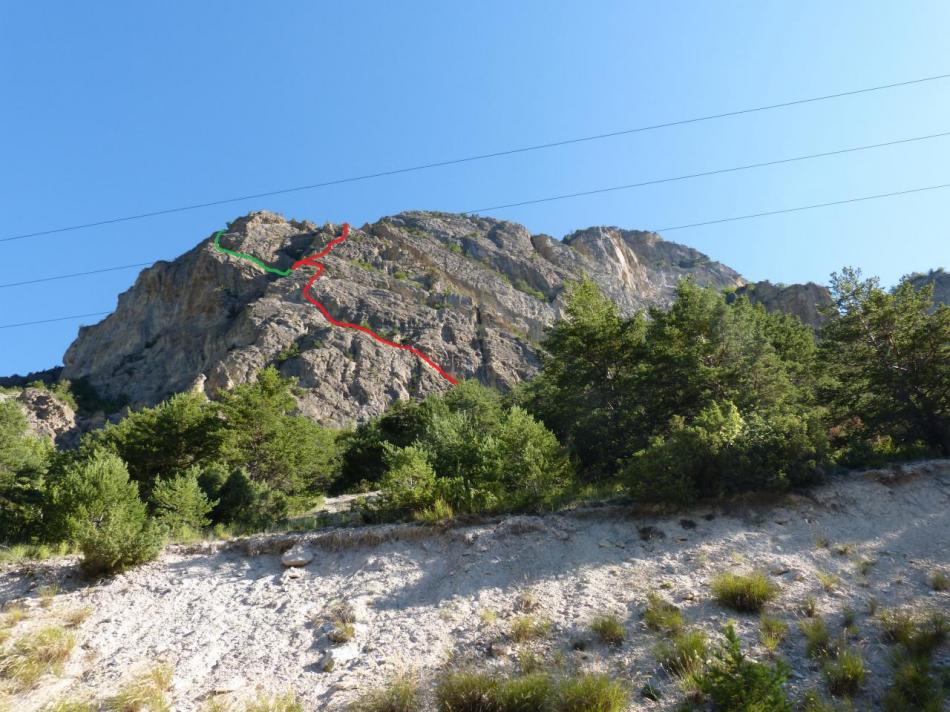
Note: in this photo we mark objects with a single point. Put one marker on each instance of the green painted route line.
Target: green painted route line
(244, 256)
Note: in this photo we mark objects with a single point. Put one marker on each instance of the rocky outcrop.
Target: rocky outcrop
(939, 278)
(474, 294)
(47, 415)
(806, 301)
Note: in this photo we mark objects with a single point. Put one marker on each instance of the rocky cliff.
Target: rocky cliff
(803, 300)
(474, 294)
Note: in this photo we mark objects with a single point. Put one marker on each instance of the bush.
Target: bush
(180, 503)
(745, 593)
(101, 510)
(913, 687)
(735, 683)
(409, 482)
(24, 461)
(252, 506)
(144, 692)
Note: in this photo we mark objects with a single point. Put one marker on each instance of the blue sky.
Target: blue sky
(114, 108)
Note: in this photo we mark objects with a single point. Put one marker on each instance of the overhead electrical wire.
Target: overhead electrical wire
(717, 221)
(628, 186)
(479, 157)
(714, 172)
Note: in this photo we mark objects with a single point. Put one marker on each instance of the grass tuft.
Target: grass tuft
(684, 654)
(772, 632)
(608, 629)
(144, 693)
(745, 593)
(818, 643)
(36, 654)
(845, 674)
(401, 695)
(76, 616)
(939, 581)
(284, 702)
(525, 628)
(661, 615)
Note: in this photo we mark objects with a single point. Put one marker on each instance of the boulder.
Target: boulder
(297, 555)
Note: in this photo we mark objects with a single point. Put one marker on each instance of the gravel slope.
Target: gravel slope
(231, 618)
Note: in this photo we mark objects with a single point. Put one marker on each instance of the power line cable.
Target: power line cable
(717, 171)
(805, 207)
(566, 196)
(76, 274)
(479, 157)
(748, 216)
(58, 318)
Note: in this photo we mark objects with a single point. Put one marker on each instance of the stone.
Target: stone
(297, 555)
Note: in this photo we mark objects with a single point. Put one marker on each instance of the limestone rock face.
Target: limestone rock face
(803, 300)
(47, 416)
(474, 294)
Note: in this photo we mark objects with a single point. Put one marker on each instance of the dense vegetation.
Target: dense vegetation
(708, 398)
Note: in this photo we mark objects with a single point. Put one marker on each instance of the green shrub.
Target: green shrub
(102, 512)
(662, 615)
(180, 503)
(939, 581)
(913, 687)
(409, 483)
(734, 682)
(846, 673)
(24, 461)
(747, 593)
(608, 629)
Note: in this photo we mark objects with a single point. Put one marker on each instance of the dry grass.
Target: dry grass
(36, 654)
(67, 705)
(828, 581)
(47, 594)
(284, 702)
(13, 614)
(76, 616)
(939, 581)
(144, 693)
(818, 643)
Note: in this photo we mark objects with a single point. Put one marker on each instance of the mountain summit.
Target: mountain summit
(474, 294)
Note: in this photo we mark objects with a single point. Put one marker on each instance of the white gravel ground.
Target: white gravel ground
(230, 618)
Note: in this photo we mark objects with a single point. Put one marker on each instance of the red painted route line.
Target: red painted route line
(311, 261)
